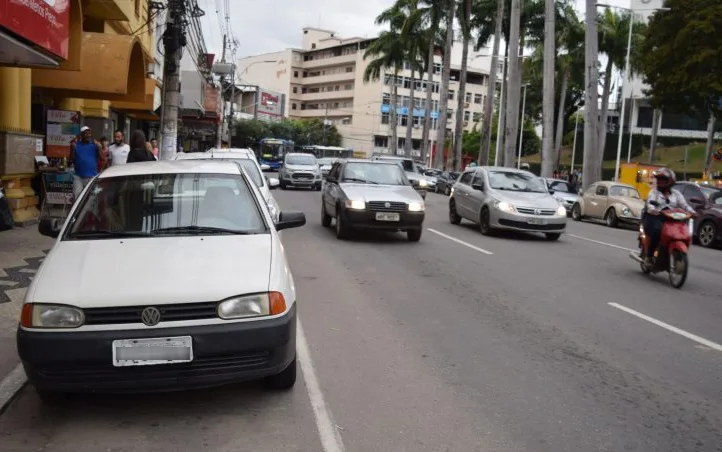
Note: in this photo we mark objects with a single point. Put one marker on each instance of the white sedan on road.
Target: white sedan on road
(166, 275)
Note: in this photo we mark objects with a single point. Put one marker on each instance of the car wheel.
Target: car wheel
(707, 234)
(577, 212)
(342, 232)
(283, 185)
(485, 221)
(611, 217)
(285, 380)
(552, 236)
(454, 217)
(325, 217)
(414, 235)
(52, 398)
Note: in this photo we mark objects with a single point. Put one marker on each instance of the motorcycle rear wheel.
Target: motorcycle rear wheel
(678, 269)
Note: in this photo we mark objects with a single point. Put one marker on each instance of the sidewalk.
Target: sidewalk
(21, 253)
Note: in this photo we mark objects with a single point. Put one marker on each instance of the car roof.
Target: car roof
(375, 162)
(391, 157)
(300, 153)
(189, 166)
(231, 150)
(611, 183)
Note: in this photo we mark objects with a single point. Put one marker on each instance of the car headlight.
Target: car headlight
(626, 212)
(504, 206)
(423, 183)
(451, 192)
(561, 211)
(51, 316)
(256, 305)
(416, 207)
(355, 204)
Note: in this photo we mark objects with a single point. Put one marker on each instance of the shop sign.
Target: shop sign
(62, 127)
(46, 23)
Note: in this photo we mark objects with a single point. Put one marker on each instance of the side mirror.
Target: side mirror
(551, 191)
(265, 167)
(49, 227)
(698, 201)
(330, 178)
(273, 183)
(288, 220)
(479, 187)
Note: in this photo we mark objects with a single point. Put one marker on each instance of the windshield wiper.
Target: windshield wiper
(360, 181)
(199, 230)
(107, 234)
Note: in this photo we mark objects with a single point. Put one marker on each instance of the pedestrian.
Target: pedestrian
(86, 156)
(119, 149)
(154, 147)
(138, 150)
(106, 152)
(149, 148)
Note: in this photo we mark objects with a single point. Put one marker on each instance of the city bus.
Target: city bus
(271, 151)
(328, 151)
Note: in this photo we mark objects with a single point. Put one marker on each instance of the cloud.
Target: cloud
(273, 25)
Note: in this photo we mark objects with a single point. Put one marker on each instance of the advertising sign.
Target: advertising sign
(62, 127)
(45, 23)
(270, 105)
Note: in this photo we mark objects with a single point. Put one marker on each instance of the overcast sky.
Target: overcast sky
(273, 25)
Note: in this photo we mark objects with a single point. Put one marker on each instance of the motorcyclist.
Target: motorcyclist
(661, 197)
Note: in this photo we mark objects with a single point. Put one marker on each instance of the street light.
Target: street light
(521, 129)
(626, 78)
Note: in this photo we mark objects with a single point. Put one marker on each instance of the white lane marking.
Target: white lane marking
(666, 326)
(327, 431)
(461, 242)
(11, 384)
(600, 243)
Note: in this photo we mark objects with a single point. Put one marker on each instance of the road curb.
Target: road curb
(11, 385)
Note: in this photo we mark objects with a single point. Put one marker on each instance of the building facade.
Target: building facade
(324, 79)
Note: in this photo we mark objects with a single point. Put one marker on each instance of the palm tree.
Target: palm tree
(592, 168)
(514, 87)
(387, 52)
(491, 88)
(548, 159)
(465, 21)
(445, 76)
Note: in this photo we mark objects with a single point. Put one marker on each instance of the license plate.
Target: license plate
(383, 216)
(147, 352)
(536, 221)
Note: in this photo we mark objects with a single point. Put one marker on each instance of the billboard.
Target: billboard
(46, 23)
(269, 105)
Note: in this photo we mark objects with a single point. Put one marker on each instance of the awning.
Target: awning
(112, 67)
(143, 110)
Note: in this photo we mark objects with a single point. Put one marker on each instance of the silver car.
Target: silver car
(300, 170)
(506, 198)
(563, 192)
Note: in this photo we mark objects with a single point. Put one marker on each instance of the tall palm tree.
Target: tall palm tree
(548, 159)
(514, 87)
(465, 22)
(445, 76)
(592, 168)
(387, 52)
(491, 88)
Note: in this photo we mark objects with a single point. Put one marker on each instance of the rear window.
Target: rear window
(155, 204)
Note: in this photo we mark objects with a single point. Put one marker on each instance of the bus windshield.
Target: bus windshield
(273, 150)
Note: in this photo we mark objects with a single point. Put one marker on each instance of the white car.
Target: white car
(165, 276)
(246, 159)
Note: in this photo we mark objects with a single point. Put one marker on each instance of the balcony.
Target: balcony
(321, 112)
(327, 95)
(120, 10)
(330, 78)
(333, 61)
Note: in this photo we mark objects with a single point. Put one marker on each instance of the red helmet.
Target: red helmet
(665, 177)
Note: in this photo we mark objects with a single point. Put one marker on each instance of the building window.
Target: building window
(381, 142)
(313, 46)
(303, 106)
(349, 68)
(295, 74)
(449, 113)
(467, 115)
(418, 121)
(386, 99)
(434, 123)
(451, 94)
(467, 99)
(346, 121)
(293, 106)
(384, 118)
(403, 120)
(348, 87)
(477, 98)
(295, 89)
(437, 68)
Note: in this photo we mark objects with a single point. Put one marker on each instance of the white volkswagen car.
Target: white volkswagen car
(247, 160)
(165, 276)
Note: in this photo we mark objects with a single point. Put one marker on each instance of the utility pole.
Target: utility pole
(219, 131)
(174, 39)
(233, 100)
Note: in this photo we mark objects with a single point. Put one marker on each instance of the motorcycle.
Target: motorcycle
(671, 254)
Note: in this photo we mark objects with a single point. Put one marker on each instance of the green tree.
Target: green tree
(300, 131)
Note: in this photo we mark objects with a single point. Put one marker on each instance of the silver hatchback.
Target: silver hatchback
(506, 198)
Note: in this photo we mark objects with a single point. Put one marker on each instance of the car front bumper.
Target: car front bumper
(302, 182)
(222, 353)
(521, 222)
(364, 219)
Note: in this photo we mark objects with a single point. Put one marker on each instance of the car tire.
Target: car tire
(611, 218)
(414, 235)
(454, 217)
(52, 398)
(325, 217)
(285, 380)
(484, 221)
(283, 185)
(552, 236)
(707, 234)
(577, 212)
(342, 231)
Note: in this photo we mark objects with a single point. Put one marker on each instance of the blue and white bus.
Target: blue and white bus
(271, 151)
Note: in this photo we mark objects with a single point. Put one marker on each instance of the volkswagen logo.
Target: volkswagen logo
(537, 211)
(387, 205)
(150, 316)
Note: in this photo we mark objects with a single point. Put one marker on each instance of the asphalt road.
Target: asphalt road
(457, 343)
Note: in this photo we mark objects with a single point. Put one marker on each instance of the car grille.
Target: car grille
(531, 227)
(168, 313)
(306, 176)
(531, 211)
(380, 206)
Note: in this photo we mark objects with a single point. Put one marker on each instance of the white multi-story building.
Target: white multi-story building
(325, 79)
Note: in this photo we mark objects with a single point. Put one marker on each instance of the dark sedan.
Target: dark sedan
(707, 201)
(367, 194)
(445, 181)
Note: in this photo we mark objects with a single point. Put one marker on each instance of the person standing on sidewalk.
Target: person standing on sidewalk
(154, 147)
(138, 150)
(86, 156)
(119, 150)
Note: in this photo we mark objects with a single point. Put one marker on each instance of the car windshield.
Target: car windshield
(373, 173)
(515, 181)
(300, 160)
(247, 164)
(715, 197)
(625, 192)
(709, 193)
(407, 165)
(560, 186)
(325, 161)
(166, 204)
